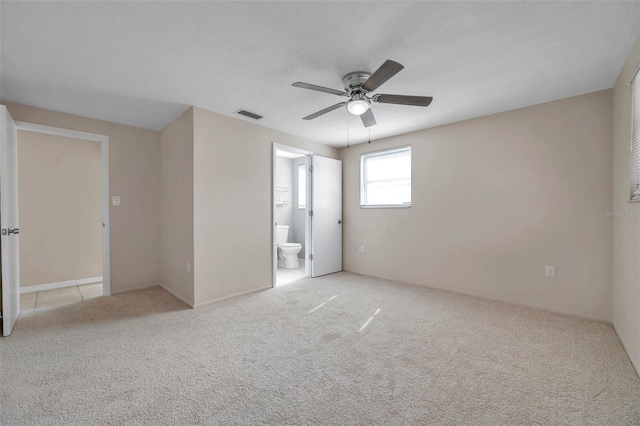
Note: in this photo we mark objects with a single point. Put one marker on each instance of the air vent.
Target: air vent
(248, 114)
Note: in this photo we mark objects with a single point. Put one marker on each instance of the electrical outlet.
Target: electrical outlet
(115, 200)
(361, 249)
(551, 271)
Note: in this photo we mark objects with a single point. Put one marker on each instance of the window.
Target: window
(386, 178)
(302, 186)
(635, 138)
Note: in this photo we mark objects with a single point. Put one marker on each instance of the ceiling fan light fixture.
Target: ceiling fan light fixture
(358, 105)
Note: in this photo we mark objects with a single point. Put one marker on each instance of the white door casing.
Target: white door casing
(9, 221)
(326, 221)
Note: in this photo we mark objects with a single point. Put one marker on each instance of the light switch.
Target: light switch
(115, 200)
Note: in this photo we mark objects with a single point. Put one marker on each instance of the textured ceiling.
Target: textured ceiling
(143, 63)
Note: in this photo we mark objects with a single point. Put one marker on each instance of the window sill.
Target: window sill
(389, 206)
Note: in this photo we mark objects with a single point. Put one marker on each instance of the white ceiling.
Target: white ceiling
(143, 63)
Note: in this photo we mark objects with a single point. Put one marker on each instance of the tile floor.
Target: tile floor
(59, 296)
(287, 276)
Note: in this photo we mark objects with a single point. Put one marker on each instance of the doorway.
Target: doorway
(290, 211)
(64, 207)
(307, 213)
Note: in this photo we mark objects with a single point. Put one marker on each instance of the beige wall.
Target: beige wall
(232, 203)
(134, 175)
(60, 187)
(626, 235)
(176, 142)
(495, 200)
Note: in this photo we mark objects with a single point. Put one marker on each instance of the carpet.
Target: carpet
(343, 349)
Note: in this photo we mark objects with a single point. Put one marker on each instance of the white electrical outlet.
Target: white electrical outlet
(551, 271)
(115, 200)
(361, 249)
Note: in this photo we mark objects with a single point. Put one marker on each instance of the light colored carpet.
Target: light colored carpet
(426, 357)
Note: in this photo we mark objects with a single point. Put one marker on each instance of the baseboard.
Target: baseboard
(493, 299)
(141, 287)
(635, 364)
(209, 302)
(59, 284)
(176, 295)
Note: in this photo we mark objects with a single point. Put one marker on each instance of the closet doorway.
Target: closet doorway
(63, 210)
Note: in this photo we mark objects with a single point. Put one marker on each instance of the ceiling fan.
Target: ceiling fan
(357, 86)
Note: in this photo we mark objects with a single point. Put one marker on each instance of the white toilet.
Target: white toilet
(287, 252)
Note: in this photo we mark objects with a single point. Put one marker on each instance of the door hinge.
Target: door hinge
(310, 257)
(310, 212)
(311, 169)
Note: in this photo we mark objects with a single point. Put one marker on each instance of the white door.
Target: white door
(9, 221)
(326, 221)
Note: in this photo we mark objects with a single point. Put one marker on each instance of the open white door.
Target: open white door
(326, 219)
(9, 221)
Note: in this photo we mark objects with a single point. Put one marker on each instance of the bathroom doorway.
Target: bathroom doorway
(291, 227)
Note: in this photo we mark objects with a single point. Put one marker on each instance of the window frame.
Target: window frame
(363, 189)
(302, 188)
(634, 157)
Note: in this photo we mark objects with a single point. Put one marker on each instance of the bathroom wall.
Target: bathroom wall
(299, 215)
(284, 180)
(495, 200)
(626, 228)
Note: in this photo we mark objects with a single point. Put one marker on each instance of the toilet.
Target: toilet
(287, 252)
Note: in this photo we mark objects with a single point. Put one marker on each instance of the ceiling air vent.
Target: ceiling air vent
(248, 114)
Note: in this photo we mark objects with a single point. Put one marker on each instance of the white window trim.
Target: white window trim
(304, 199)
(362, 178)
(635, 141)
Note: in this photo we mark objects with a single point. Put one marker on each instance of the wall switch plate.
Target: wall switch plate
(551, 271)
(361, 249)
(115, 200)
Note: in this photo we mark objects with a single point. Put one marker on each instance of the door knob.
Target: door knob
(14, 231)
(339, 221)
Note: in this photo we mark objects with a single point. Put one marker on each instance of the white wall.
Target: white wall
(60, 207)
(626, 247)
(233, 244)
(495, 200)
(134, 175)
(176, 211)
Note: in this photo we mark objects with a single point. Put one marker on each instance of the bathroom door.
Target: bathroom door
(326, 216)
(9, 221)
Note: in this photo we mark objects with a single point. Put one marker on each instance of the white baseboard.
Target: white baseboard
(493, 299)
(59, 284)
(629, 354)
(209, 302)
(140, 287)
(176, 295)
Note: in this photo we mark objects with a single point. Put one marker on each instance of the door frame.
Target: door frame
(104, 156)
(307, 223)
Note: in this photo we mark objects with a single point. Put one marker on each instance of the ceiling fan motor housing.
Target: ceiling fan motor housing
(354, 80)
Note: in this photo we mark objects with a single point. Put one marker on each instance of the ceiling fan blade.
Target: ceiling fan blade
(422, 101)
(368, 119)
(319, 88)
(323, 111)
(382, 74)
